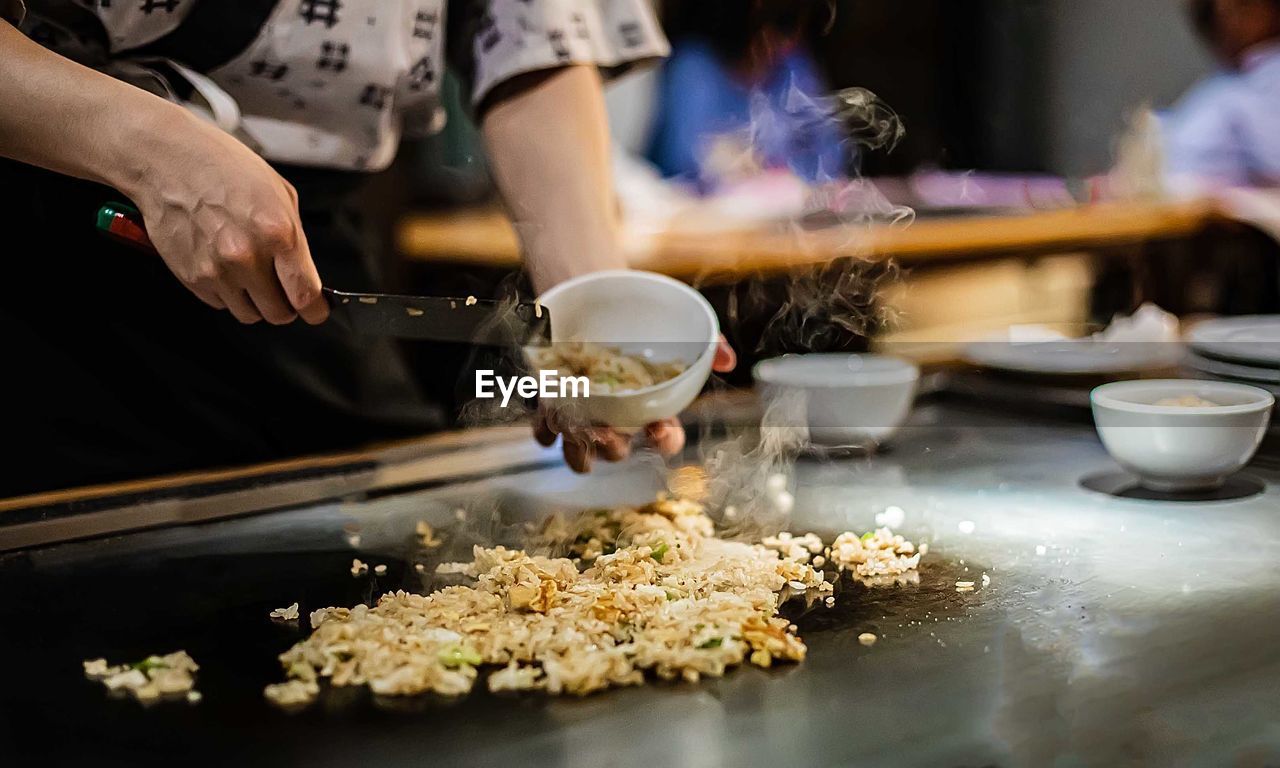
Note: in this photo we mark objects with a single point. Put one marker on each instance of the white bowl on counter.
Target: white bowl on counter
(845, 401)
(643, 314)
(1175, 448)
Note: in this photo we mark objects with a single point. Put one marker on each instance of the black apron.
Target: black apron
(115, 371)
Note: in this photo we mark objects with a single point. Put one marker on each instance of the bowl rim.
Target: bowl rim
(907, 373)
(652, 277)
(1105, 396)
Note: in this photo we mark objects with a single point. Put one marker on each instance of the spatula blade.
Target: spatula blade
(466, 321)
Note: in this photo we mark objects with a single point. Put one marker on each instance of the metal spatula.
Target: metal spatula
(469, 320)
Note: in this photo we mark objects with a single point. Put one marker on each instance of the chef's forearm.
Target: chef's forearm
(57, 114)
(548, 140)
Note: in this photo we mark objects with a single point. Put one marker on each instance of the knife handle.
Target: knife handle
(123, 223)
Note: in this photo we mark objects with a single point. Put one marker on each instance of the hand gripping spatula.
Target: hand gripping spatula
(436, 318)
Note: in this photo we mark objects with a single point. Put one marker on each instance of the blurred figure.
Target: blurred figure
(741, 93)
(1226, 131)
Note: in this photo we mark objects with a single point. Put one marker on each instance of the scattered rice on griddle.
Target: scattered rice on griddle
(150, 679)
(288, 613)
(877, 553)
(647, 589)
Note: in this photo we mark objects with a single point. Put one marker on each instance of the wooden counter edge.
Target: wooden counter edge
(485, 239)
(382, 455)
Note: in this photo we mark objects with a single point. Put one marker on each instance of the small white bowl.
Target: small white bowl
(643, 314)
(846, 401)
(1175, 448)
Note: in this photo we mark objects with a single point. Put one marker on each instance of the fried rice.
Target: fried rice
(150, 679)
(638, 592)
(607, 368)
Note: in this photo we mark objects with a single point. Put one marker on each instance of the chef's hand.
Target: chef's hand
(227, 225)
(583, 444)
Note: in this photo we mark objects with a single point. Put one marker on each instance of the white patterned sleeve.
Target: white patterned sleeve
(12, 11)
(514, 37)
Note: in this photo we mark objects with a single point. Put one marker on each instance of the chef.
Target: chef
(239, 132)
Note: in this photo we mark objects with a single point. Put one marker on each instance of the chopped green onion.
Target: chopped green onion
(868, 536)
(457, 655)
(149, 663)
(714, 642)
(659, 552)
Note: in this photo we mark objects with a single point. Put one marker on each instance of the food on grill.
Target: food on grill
(878, 553)
(648, 589)
(149, 679)
(289, 613)
(427, 535)
(1187, 401)
(607, 368)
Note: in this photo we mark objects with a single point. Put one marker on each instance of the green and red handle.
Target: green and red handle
(123, 223)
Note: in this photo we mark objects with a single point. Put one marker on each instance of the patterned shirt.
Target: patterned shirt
(334, 83)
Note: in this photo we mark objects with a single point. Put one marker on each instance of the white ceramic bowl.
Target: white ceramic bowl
(1175, 448)
(644, 314)
(844, 400)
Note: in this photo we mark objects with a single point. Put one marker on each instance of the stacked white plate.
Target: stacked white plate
(1239, 349)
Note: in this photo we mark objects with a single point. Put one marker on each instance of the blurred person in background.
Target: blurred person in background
(1226, 130)
(241, 132)
(742, 89)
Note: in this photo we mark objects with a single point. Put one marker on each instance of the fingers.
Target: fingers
(726, 359)
(297, 274)
(267, 296)
(237, 302)
(542, 430)
(612, 445)
(251, 295)
(209, 295)
(667, 436)
(266, 274)
(579, 452)
(582, 445)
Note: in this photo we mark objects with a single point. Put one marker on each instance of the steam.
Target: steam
(747, 471)
(825, 308)
(506, 360)
(743, 467)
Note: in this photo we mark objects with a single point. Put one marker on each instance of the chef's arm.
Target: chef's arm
(547, 135)
(548, 139)
(71, 119)
(223, 221)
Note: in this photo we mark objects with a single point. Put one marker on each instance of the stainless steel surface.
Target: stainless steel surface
(1114, 631)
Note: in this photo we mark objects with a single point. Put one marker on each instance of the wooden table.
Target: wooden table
(485, 238)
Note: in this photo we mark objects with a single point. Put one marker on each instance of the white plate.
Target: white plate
(1073, 357)
(1234, 371)
(1274, 389)
(1251, 339)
